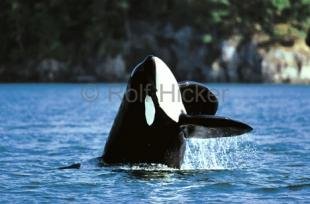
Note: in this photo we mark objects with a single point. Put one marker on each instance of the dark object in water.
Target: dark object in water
(157, 114)
(72, 166)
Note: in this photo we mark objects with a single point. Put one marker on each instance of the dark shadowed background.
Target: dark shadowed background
(206, 40)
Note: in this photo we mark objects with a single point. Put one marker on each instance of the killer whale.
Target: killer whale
(156, 115)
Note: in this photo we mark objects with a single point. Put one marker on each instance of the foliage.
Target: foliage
(77, 31)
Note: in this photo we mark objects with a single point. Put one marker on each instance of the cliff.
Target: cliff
(209, 40)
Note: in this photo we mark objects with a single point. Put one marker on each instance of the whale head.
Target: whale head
(154, 85)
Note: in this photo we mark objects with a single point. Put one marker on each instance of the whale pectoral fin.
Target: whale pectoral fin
(197, 98)
(210, 126)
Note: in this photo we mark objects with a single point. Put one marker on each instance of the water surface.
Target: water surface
(46, 126)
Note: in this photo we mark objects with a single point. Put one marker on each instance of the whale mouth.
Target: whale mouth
(168, 91)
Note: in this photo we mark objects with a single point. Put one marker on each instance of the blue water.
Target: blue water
(43, 127)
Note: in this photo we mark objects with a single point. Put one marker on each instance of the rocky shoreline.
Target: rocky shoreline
(254, 60)
(209, 41)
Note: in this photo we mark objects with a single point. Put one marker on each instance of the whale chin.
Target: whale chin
(168, 91)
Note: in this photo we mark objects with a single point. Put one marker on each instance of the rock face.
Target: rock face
(111, 69)
(282, 64)
(182, 48)
(238, 62)
(235, 59)
(50, 70)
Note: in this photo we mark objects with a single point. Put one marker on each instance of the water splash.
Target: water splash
(218, 153)
(210, 154)
(203, 154)
(147, 167)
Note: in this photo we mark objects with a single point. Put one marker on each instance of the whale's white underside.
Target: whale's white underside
(168, 94)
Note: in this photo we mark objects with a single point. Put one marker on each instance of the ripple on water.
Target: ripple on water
(43, 127)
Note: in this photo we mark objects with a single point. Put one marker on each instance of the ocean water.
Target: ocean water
(46, 126)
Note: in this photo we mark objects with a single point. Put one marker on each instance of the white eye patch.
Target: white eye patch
(149, 110)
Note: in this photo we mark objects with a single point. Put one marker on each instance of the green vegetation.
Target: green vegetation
(79, 32)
